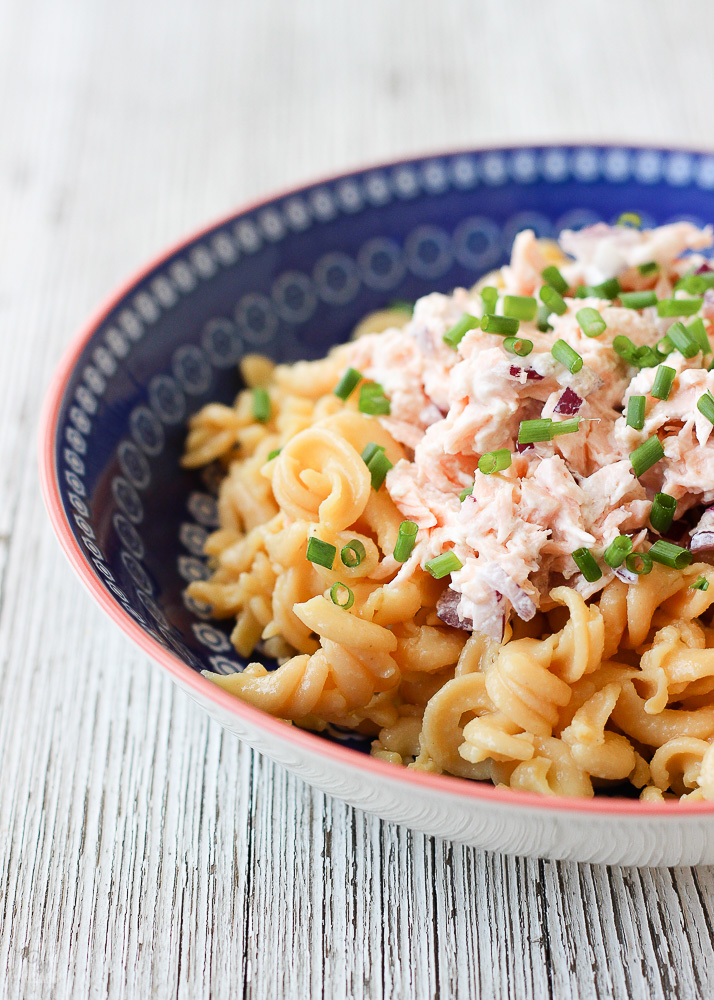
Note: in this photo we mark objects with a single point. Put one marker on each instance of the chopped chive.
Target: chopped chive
(342, 596)
(608, 289)
(348, 383)
(701, 583)
(531, 431)
(567, 356)
(669, 554)
(370, 450)
(647, 455)
(698, 333)
(664, 379)
(372, 400)
(662, 512)
(261, 405)
(585, 561)
(519, 346)
(505, 325)
(591, 322)
(631, 219)
(553, 300)
(705, 405)
(552, 276)
(489, 297)
(617, 551)
(353, 553)
(405, 540)
(378, 465)
(321, 553)
(639, 563)
(683, 340)
(569, 426)
(625, 348)
(638, 300)
(651, 267)
(636, 412)
(440, 566)
(273, 454)
(466, 492)
(678, 307)
(665, 346)
(522, 307)
(494, 461)
(458, 331)
(542, 319)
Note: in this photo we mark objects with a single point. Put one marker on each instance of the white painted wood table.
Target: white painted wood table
(142, 852)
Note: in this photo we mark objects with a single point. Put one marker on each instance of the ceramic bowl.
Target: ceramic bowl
(289, 277)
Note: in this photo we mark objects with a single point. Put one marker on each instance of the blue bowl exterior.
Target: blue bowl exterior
(290, 278)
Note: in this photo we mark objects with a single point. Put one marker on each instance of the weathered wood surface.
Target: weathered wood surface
(142, 852)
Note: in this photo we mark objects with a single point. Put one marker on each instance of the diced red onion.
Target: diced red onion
(624, 574)
(520, 448)
(531, 374)
(704, 269)
(447, 610)
(569, 403)
(702, 541)
(502, 583)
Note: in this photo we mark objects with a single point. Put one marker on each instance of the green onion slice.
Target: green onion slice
(664, 380)
(494, 461)
(636, 412)
(321, 553)
(553, 300)
(466, 492)
(542, 319)
(341, 595)
(569, 426)
(669, 554)
(591, 322)
(681, 337)
(440, 566)
(585, 561)
(647, 455)
(532, 431)
(679, 307)
(489, 297)
(522, 307)
(638, 300)
(519, 346)
(564, 353)
(552, 276)
(348, 383)
(701, 583)
(705, 405)
(698, 333)
(456, 334)
(353, 553)
(665, 346)
(378, 465)
(372, 400)
(273, 454)
(608, 289)
(505, 325)
(405, 540)
(651, 267)
(617, 551)
(261, 405)
(631, 219)
(370, 450)
(639, 563)
(662, 512)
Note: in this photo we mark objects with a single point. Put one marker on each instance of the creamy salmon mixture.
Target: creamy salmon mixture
(452, 401)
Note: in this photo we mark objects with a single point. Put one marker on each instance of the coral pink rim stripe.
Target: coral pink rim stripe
(189, 678)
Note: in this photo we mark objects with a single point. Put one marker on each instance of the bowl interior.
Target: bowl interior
(289, 278)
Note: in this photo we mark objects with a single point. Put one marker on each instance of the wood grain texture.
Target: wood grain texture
(142, 852)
